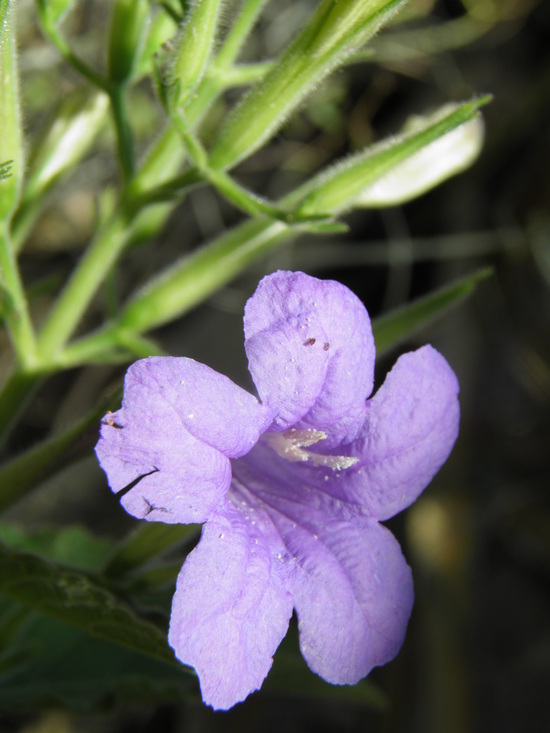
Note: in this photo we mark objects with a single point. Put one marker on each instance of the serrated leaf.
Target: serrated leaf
(79, 600)
(394, 327)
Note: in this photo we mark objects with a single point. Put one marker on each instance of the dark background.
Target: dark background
(477, 655)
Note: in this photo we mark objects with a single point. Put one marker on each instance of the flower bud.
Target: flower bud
(74, 127)
(445, 157)
(401, 168)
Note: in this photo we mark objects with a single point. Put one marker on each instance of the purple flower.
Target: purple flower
(291, 488)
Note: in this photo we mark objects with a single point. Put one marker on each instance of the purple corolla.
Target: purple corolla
(291, 487)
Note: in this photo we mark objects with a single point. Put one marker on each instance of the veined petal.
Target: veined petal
(209, 405)
(311, 353)
(230, 610)
(351, 587)
(352, 591)
(410, 428)
(168, 447)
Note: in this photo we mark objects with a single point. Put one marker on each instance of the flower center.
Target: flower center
(291, 445)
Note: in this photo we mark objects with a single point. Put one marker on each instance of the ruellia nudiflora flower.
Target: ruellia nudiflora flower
(291, 486)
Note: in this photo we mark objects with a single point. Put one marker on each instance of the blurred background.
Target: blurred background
(477, 654)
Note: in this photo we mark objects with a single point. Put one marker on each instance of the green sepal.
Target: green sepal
(192, 51)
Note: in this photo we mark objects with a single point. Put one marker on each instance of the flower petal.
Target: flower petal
(351, 586)
(168, 447)
(209, 405)
(352, 591)
(311, 353)
(230, 610)
(411, 426)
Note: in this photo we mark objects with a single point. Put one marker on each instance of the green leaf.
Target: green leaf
(161, 29)
(74, 547)
(12, 617)
(49, 663)
(148, 541)
(398, 325)
(24, 473)
(197, 276)
(80, 601)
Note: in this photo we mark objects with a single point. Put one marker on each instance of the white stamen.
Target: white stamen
(291, 445)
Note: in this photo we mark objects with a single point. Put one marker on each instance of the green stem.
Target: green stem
(107, 343)
(110, 241)
(24, 218)
(243, 199)
(73, 301)
(241, 75)
(123, 133)
(65, 50)
(239, 32)
(170, 189)
(16, 313)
